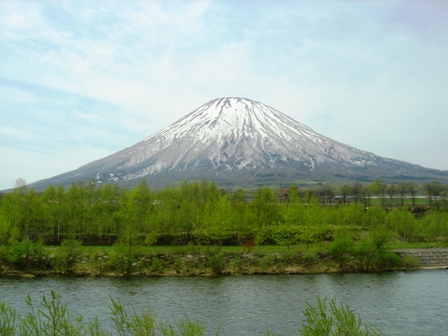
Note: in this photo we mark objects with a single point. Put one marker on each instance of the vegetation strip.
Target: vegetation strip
(52, 317)
(199, 229)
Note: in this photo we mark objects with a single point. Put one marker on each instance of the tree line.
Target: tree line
(202, 213)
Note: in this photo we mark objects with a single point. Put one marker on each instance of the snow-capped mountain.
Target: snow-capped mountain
(238, 141)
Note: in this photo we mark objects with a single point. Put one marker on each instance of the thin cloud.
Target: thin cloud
(97, 77)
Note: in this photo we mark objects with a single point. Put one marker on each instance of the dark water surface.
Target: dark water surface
(399, 303)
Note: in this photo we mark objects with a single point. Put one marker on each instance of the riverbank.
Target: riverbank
(108, 263)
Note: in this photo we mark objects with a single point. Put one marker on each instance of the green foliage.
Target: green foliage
(217, 262)
(72, 249)
(340, 248)
(136, 324)
(310, 257)
(201, 213)
(387, 260)
(9, 320)
(52, 317)
(26, 254)
(380, 235)
(365, 252)
(408, 262)
(126, 253)
(327, 319)
(157, 265)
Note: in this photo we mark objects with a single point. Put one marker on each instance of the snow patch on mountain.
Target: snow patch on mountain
(233, 134)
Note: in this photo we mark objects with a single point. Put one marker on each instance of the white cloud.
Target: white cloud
(100, 76)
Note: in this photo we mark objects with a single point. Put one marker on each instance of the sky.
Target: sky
(80, 80)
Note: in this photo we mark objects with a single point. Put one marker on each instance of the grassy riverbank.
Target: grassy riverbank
(195, 260)
(52, 317)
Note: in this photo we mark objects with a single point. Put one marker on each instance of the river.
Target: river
(398, 303)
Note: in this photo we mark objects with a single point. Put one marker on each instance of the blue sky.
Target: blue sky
(80, 80)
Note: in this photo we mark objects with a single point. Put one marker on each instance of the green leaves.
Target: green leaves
(53, 318)
(329, 319)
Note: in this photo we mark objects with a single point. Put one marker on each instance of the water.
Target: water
(399, 303)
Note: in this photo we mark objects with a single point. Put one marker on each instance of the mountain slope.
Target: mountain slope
(240, 141)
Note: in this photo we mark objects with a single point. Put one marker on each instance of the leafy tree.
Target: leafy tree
(127, 249)
(215, 223)
(375, 216)
(33, 221)
(312, 221)
(380, 235)
(402, 189)
(108, 212)
(345, 191)
(413, 191)
(357, 191)
(265, 207)
(241, 215)
(340, 248)
(294, 213)
(365, 252)
(391, 190)
(433, 190)
(56, 211)
(325, 194)
(402, 222)
(379, 189)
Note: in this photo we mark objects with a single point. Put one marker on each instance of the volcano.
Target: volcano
(238, 142)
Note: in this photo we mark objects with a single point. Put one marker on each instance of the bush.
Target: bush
(310, 258)
(217, 263)
(328, 319)
(26, 253)
(157, 265)
(340, 249)
(409, 262)
(387, 260)
(72, 250)
(364, 254)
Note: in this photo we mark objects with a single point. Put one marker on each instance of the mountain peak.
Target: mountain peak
(236, 140)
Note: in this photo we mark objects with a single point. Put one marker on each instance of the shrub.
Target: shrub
(365, 253)
(328, 319)
(340, 249)
(217, 263)
(26, 253)
(53, 317)
(72, 250)
(387, 260)
(310, 258)
(157, 265)
(409, 262)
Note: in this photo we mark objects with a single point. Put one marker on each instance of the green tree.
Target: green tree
(340, 249)
(379, 189)
(265, 207)
(312, 224)
(345, 191)
(293, 214)
(402, 222)
(215, 223)
(433, 190)
(56, 212)
(412, 187)
(402, 189)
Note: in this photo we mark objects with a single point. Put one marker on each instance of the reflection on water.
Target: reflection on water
(399, 303)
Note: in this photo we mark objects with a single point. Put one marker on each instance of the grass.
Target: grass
(417, 245)
(258, 249)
